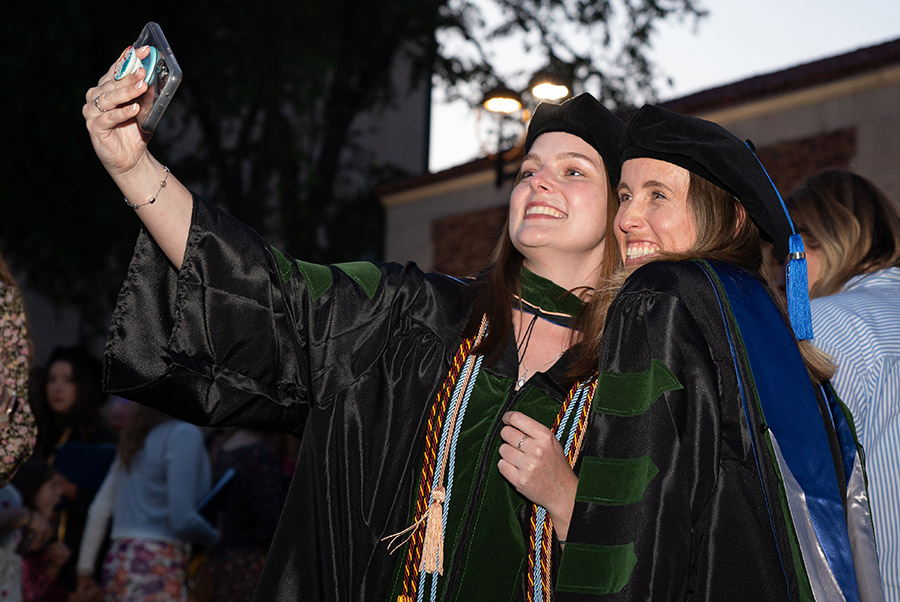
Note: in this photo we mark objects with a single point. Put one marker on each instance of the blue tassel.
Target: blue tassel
(797, 290)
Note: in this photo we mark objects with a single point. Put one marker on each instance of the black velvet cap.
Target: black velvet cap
(715, 154)
(585, 117)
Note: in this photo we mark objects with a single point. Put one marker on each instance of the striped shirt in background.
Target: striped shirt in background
(860, 328)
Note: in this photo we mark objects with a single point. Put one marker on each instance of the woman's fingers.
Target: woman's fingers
(526, 424)
(533, 461)
(512, 436)
(110, 94)
(114, 94)
(109, 111)
(522, 431)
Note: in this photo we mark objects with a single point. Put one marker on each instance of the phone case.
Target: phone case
(163, 77)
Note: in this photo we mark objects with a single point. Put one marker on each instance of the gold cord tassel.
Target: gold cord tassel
(433, 540)
(433, 545)
(393, 546)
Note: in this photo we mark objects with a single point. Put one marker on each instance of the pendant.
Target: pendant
(521, 382)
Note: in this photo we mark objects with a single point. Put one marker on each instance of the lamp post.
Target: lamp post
(548, 84)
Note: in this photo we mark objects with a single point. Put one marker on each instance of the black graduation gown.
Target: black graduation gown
(349, 358)
(681, 496)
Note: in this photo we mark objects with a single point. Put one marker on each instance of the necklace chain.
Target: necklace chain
(522, 379)
(522, 347)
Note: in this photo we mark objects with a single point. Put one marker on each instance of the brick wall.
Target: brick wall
(791, 162)
(462, 243)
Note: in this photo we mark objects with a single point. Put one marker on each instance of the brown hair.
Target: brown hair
(724, 233)
(851, 221)
(85, 419)
(499, 281)
(135, 434)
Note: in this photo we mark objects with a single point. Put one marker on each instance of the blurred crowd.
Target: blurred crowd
(109, 504)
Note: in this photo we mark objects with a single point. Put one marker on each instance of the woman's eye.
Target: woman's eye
(624, 197)
(659, 195)
(573, 172)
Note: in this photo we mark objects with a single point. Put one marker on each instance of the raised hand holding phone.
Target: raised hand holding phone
(110, 112)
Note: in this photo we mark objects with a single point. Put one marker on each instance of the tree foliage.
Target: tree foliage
(264, 121)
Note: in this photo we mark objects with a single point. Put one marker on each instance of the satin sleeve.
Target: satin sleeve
(246, 335)
(650, 457)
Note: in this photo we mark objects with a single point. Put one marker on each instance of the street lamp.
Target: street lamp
(501, 99)
(549, 84)
(552, 83)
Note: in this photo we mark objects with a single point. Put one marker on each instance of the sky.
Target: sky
(737, 40)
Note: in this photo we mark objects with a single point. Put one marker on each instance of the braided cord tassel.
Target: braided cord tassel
(540, 549)
(538, 521)
(432, 433)
(433, 548)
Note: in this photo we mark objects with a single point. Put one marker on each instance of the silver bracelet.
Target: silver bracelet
(153, 198)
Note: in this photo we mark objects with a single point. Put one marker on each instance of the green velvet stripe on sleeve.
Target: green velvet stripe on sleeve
(632, 394)
(284, 266)
(614, 481)
(318, 278)
(597, 570)
(365, 274)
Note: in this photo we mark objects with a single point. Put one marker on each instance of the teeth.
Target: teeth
(640, 249)
(544, 210)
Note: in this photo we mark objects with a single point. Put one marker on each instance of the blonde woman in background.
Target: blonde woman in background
(852, 235)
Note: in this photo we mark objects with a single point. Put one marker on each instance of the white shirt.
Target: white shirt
(859, 328)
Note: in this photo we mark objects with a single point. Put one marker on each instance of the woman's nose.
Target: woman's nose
(628, 217)
(542, 179)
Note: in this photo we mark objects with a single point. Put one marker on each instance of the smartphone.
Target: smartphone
(163, 77)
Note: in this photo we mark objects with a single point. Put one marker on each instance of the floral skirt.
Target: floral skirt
(143, 570)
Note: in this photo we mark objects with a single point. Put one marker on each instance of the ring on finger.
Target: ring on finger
(97, 104)
(521, 441)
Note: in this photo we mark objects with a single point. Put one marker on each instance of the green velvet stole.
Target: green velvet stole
(546, 299)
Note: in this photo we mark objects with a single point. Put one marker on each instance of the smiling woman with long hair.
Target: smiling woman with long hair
(726, 468)
(441, 418)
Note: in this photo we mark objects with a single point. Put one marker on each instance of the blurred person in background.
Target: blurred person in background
(118, 413)
(71, 399)
(17, 424)
(852, 234)
(73, 437)
(150, 494)
(42, 564)
(17, 437)
(249, 512)
(18, 522)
